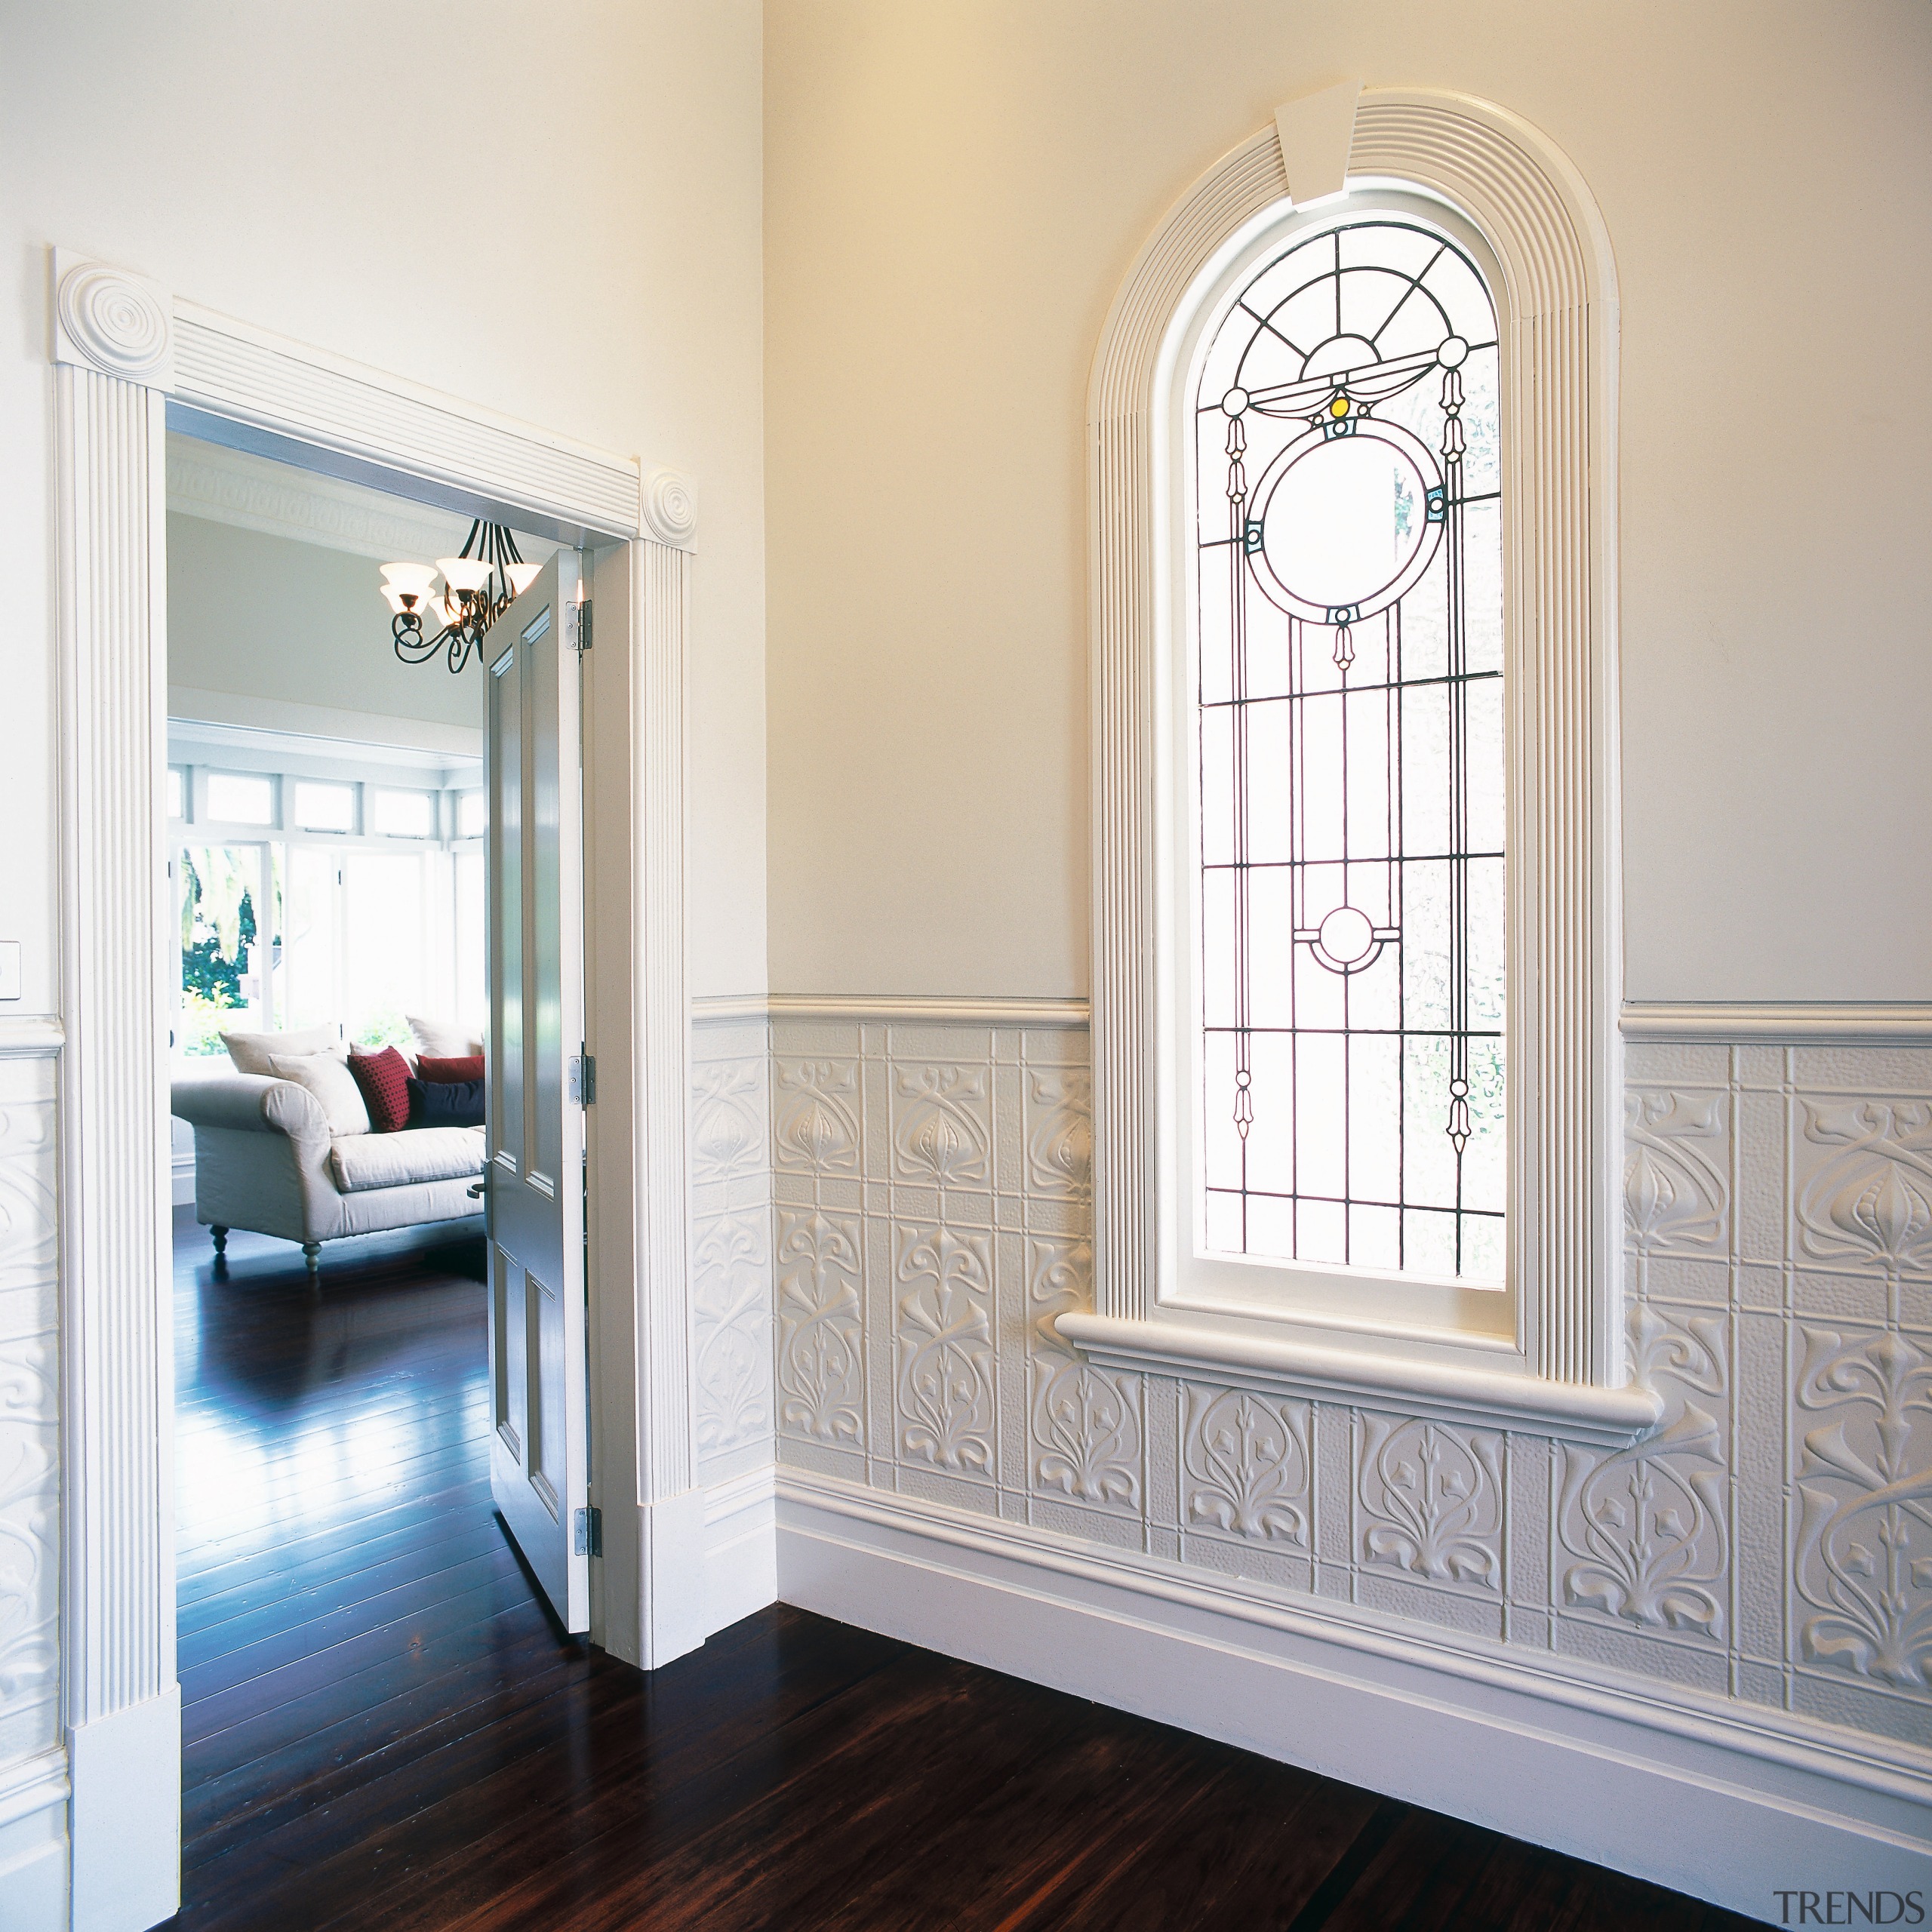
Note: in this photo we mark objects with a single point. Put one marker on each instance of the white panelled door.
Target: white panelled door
(539, 1445)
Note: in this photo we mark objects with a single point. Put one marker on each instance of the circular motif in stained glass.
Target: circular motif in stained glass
(1345, 521)
(1347, 937)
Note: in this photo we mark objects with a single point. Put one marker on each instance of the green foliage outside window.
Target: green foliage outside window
(218, 932)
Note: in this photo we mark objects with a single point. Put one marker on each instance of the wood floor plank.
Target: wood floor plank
(212, 1625)
(305, 1420)
(267, 1644)
(305, 1824)
(1419, 1877)
(425, 1465)
(1249, 1849)
(1044, 1833)
(322, 1766)
(304, 1543)
(369, 1671)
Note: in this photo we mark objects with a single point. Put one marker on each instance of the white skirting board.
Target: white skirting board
(741, 1552)
(1728, 1803)
(33, 1844)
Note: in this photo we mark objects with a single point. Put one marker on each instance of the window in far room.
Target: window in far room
(321, 807)
(402, 814)
(239, 798)
(342, 906)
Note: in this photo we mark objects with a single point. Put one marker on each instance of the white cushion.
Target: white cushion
(332, 1084)
(444, 1039)
(361, 1162)
(251, 1052)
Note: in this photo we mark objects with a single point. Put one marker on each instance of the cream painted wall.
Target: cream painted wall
(953, 194)
(553, 209)
(266, 617)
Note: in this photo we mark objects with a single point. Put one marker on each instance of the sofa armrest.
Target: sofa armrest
(261, 1156)
(252, 1103)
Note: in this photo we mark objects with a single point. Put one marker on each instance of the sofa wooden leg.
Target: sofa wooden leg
(312, 1252)
(220, 1239)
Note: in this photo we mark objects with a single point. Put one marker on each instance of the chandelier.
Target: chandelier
(477, 589)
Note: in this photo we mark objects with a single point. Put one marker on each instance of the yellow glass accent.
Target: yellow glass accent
(1339, 407)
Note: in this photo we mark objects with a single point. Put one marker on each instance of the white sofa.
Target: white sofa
(265, 1160)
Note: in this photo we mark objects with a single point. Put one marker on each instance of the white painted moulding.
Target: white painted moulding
(741, 1546)
(118, 1599)
(1860, 1760)
(671, 1545)
(1447, 1391)
(30, 1036)
(121, 346)
(1316, 133)
(32, 1784)
(906, 1009)
(732, 1499)
(251, 375)
(670, 508)
(660, 591)
(112, 320)
(1845, 1023)
(125, 1816)
(34, 1888)
(714, 1008)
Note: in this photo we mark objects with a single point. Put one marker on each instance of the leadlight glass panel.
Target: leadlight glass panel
(1351, 759)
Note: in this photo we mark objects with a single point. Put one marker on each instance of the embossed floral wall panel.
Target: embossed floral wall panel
(932, 1200)
(1771, 1542)
(731, 1246)
(29, 1472)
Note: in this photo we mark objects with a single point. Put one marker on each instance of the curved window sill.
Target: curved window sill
(1486, 1398)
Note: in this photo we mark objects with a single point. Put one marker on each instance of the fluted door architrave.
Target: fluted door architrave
(1538, 218)
(124, 352)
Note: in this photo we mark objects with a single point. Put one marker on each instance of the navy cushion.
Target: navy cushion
(446, 1103)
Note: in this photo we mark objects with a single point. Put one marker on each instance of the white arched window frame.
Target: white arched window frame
(1546, 1352)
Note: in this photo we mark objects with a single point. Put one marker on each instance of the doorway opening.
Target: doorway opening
(377, 1055)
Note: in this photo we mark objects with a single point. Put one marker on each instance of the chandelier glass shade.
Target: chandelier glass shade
(477, 588)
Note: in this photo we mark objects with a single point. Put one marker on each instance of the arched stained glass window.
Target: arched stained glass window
(1347, 665)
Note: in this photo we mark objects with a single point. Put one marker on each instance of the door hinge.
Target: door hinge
(580, 626)
(584, 1079)
(590, 1532)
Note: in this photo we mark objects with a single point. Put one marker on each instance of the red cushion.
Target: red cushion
(449, 1072)
(384, 1080)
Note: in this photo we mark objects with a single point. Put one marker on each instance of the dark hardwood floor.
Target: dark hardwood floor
(385, 1728)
